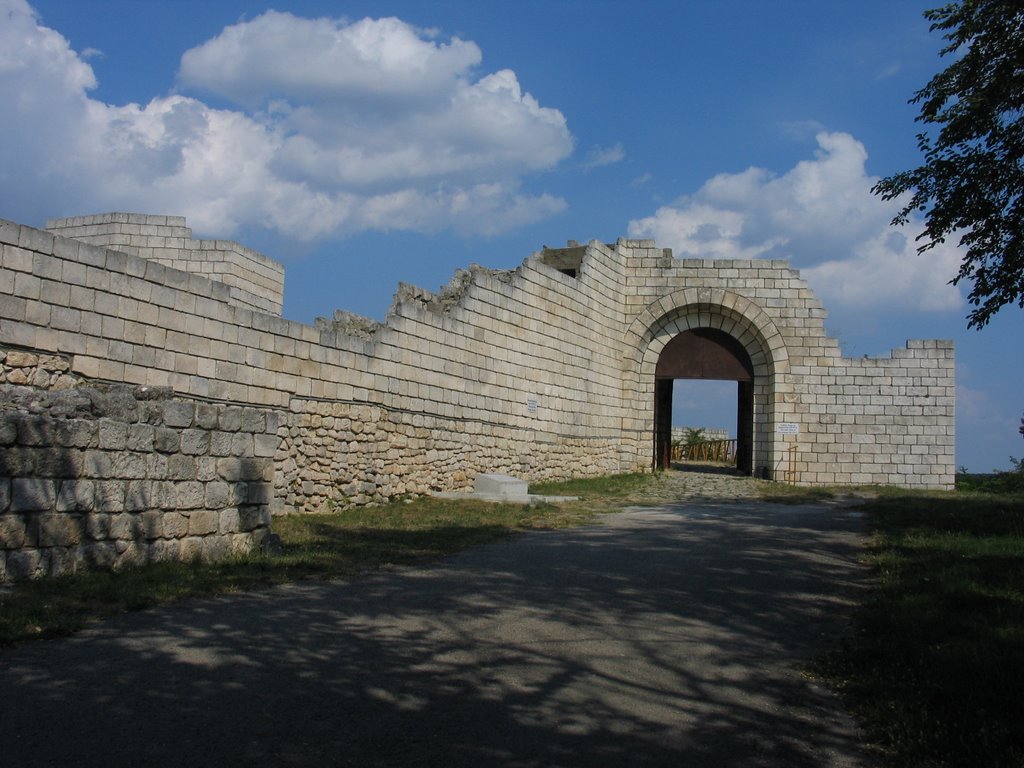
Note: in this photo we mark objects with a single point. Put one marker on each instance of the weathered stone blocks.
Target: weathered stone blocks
(82, 488)
(532, 373)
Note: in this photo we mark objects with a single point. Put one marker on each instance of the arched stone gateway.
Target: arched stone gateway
(747, 346)
(814, 416)
(547, 371)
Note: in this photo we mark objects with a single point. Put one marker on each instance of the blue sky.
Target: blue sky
(367, 143)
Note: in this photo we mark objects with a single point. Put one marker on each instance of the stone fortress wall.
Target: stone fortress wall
(543, 372)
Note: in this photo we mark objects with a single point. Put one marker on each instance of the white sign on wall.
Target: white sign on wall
(788, 428)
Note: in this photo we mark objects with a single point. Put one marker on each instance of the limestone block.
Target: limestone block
(178, 414)
(149, 524)
(195, 441)
(109, 496)
(8, 432)
(265, 445)
(230, 419)
(139, 495)
(215, 548)
(166, 440)
(13, 532)
(206, 468)
(127, 465)
(220, 443)
(58, 529)
(230, 521)
(217, 494)
(18, 359)
(76, 495)
(29, 494)
(500, 485)
(121, 526)
(202, 522)
(140, 437)
(97, 525)
(252, 517)
(253, 420)
(24, 564)
(206, 416)
(242, 445)
(191, 494)
(234, 469)
(100, 554)
(130, 553)
(175, 525)
(255, 493)
(181, 467)
(163, 550)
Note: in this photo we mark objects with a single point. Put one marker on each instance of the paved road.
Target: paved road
(666, 636)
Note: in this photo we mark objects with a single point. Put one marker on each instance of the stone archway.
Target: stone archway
(704, 354)
(731, 316)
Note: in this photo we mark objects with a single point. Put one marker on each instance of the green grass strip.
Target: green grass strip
(935, 667)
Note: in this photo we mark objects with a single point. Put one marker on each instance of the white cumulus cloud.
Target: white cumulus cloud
(821, 216)
(323, 127)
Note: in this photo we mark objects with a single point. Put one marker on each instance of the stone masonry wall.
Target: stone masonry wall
(544, 372)
(253, 280)
(878, 420)
(115, 476)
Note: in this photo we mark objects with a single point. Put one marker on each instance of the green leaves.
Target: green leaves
(971, 185)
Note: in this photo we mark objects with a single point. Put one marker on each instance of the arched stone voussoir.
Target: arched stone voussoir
(690, 308)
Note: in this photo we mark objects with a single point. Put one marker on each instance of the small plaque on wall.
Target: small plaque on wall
(531, 405)
(788, 428)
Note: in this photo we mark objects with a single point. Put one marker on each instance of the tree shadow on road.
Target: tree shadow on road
(664, 637)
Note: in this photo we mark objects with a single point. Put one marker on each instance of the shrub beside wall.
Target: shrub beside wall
(121, 475)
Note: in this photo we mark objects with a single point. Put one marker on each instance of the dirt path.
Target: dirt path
(668, 635)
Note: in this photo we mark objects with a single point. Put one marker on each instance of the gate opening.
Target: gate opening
(707, 404)
(704, 354)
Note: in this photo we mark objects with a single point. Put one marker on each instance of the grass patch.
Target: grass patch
(605, 487)
(784, 493)
(935, 668)
(313, 546)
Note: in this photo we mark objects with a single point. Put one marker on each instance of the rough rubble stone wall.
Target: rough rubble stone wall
(545, 371)
(253, 280)
(117, 475)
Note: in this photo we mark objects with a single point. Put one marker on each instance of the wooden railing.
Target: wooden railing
(715, 451)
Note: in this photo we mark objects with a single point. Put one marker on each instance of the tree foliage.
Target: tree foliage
(694, 436)
(970, 185)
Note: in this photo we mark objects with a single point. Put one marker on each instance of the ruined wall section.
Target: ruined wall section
(513, 372)
(505, 372)
(881, 420)
(114, 476)
(254, 281)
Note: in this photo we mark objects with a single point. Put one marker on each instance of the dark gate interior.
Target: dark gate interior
(704, 353)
